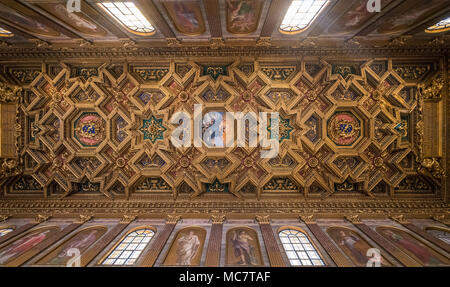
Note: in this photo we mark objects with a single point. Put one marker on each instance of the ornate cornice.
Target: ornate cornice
(90, 206)
(263, 219)
(173, 50)
(172, 219)
(308, 219)
(218, 219)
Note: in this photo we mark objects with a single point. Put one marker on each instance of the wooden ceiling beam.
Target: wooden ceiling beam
(43, 19)
(103, 20)
(419, 28)
(277, 10)
(154, 16)
(16, 31)
(213, 17)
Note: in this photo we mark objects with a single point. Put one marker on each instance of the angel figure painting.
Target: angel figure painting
(353, 245)
(243, 15)
(243, 247)
(186, 249)
(25, 244)
(81, 241)
(411, 246)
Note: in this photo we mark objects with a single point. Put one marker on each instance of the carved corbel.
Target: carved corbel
(3, 217)
(264, 42)
(216, 43)
(440, 218)
(353, 219)
(128, 218)
(431, 167)
(41, 218)
(218, 219)
(263, 219)
(172, 219)
(9, 93)
(308, 219)
(399, 218)
(84, 218)
(433, 89)
(173, 42)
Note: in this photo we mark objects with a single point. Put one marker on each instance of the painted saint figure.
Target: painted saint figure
(188, 246)
(22, 245)
(243, 248)
(351, 242)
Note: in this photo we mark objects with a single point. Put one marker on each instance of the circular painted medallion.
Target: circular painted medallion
(344, 128)
(89, 129)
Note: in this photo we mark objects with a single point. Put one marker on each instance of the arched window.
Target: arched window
(4, 231)
(301, 14)
(299, 249)
(130, 247)
(127, 14)
(439, 27)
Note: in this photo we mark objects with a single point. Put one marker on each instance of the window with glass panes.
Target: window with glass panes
(299, 249)
(130, 248)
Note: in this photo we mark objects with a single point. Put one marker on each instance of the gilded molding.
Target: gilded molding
(263, 219)
(76, 207)
(3, 217)
(172, 219)
(41, 218)
(307, 49)
(308, 219)
(218, 219)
